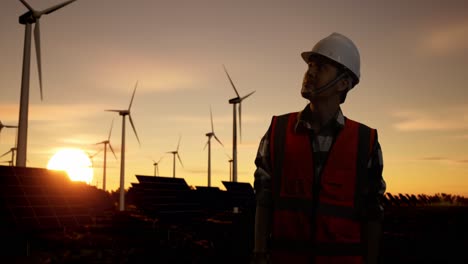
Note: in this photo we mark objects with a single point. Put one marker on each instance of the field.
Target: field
(423, 234)
(167, 221)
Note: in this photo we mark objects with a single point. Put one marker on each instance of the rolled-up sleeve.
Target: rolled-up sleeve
(262, 182)
(377, 185)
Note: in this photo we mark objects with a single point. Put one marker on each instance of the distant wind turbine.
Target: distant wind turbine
(208, 143)
(124, 113)
(91, 156)
(230, 167)
(234, 101)
(155, 164)
(106, 142)
(6, 126)
(12, 151)
(27, 19)
(10, 162)
(175, 153)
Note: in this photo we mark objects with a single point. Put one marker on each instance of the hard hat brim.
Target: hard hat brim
(306, 55)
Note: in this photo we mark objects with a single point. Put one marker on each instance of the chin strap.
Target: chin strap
(328, 85)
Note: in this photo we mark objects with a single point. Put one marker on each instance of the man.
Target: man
(318, 181)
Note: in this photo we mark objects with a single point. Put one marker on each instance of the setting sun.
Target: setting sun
(75, 162)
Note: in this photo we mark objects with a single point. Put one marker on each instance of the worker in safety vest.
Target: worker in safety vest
(318, 182)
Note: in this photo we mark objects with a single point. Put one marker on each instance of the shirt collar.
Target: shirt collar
(305, 116)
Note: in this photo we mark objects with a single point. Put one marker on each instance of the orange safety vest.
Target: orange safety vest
(318, 222)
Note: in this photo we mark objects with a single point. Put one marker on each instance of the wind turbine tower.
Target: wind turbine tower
(230, 167)
(175, 153)
(106, 142)
(125, 113)
(155, 164)
(235, 101)
(27, 19)
(208, 143)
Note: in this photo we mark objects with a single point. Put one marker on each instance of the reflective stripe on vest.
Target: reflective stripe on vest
(336, 229)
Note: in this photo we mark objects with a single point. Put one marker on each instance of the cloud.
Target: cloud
(51, 112)
(225, 119)
(449, 39)
(444, 159)
(152, 73)
(440, 119)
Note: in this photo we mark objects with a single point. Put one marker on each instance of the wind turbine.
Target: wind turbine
(106, 142)
(235, 101)
(230, 167)
(12, 151)
(125, 113)
(6, 126)
(208, 143)
(155, 164)
(27, 19)
(175, 153)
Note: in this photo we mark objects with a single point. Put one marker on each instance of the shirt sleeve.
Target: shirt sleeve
(262, 182)
(377, 185)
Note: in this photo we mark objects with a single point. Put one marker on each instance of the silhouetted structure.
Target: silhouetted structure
(168, 199)
(36, 200)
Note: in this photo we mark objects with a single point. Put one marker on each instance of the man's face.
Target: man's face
(319, 73)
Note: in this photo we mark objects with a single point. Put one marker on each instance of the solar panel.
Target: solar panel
(35, 199)
(241, 194)
(164, 197)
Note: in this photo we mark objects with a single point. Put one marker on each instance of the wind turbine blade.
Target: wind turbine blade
(97, 152)
(247, 95)
(110, 131)
(240, 121)
(110, 146)
(52, 9)
(133, 95)
(134, 130)
(211, 116)
(27, 5)
(6, 153)
(112, 110)
(178, 144)
(179, 159)
(206, 144)
(37, 39)
(217, 139)
(230, 80)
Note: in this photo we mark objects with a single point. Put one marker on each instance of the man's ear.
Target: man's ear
(343, 84)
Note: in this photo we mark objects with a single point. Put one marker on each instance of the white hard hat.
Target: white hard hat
(340, 49)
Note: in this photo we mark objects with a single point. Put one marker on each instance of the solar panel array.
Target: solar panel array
(241, 194)
(172, 198)
(164, 197)
(34, 199)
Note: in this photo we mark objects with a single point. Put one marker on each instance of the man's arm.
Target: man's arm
(262, 186)
(375, 211)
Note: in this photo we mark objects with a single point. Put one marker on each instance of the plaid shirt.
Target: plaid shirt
(321, 145)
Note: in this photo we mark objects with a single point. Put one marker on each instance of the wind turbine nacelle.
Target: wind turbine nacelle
(27, 18)
(235, 100)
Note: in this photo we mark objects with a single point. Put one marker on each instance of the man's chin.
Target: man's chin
(309, 94)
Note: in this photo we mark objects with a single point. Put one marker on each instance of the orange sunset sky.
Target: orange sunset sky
(414, 70)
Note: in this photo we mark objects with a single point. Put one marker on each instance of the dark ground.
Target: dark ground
(424, 234)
